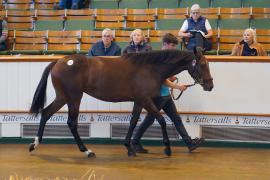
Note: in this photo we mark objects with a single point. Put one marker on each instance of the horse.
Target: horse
(135, 77)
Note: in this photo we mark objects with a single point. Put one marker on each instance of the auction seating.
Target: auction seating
(29, 42)
(256, 3)
(164, 4)
(104, 4)
(88, 38)
(227, 38)
(45, 4)
(49, 18)
(141, 18)
(138, 4)
(227, 3)
(110, 18)
(20, 20)
(19, 4)
(81, 19)
(189, 3)
(63, 42)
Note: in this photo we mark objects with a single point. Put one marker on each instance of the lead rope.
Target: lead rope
(188, 85)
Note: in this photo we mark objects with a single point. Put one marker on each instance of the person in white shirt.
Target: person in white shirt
(197, 30)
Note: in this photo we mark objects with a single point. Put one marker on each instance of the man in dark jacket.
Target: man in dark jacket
(106, 47)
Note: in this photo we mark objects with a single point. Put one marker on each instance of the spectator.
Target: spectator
(106, 47)
(70, 4)
(197, 29)
(137, 43)
(3, 35)
(165, 102)
(248, 46)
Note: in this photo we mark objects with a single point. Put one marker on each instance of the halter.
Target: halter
(190, 85)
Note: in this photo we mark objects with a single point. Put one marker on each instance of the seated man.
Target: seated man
(197, 29)
(3, 35)
(165, 102)
(106, 47)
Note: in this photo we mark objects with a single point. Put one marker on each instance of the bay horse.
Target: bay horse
(135, 77)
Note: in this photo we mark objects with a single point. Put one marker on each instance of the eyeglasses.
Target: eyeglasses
(107, 36)
(195, 12)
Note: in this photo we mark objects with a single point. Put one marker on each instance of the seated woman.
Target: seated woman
(248, 46)
(137, 43)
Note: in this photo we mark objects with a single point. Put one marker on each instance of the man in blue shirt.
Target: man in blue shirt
(106, 47)
(165, 102)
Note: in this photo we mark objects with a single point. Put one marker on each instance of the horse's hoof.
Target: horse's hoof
(91, 155)
(31, 147)
(168, 151)
(131, 154)
(127, 145)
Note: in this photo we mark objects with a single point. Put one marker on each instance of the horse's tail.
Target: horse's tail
(40, 93)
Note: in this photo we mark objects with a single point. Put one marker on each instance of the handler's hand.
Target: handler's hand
(182, 87)
(173, 78)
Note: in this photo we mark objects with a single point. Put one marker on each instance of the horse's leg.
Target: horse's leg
(137, 109)
(147, 122)
(45, 116)
(151, 108)
(73, 113)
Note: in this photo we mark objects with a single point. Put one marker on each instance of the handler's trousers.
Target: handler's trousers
(166, 103)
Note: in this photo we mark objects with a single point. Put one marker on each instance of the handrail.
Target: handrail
(251, 59)
(210, 58)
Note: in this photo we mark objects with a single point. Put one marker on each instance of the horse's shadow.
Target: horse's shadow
(48, 158)
(101, 159)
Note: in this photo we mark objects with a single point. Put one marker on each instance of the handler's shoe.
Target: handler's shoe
(194, 144)
(139, 148)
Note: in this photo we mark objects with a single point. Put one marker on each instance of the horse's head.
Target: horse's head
(200, 72)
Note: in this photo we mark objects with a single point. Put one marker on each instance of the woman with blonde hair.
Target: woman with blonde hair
(137, 43)
(248, 46)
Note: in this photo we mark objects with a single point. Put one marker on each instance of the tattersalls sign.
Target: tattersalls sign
(251, 121)
(196, 119)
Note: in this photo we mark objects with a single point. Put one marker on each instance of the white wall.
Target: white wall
(239, 87)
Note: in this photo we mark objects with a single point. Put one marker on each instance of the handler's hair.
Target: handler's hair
(169, 38)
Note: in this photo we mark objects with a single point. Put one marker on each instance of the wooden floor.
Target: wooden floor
(65, 162)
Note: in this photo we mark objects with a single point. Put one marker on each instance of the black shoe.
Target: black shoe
(139, 148)
(195, 143)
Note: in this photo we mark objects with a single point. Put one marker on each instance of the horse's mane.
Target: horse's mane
(156, 56)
